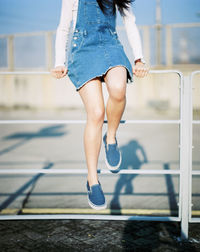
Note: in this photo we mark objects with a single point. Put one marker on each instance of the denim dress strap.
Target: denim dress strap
(95, 47)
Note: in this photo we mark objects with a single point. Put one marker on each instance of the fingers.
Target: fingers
(140, 71)
(64, 72)
(59, 72)
(55, 73)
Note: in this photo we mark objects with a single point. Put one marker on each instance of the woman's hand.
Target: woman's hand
(59, 72)
(140, 70)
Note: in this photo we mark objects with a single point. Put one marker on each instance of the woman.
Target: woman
(96, 55)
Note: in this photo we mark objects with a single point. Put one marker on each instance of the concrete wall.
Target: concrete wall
(159, 91)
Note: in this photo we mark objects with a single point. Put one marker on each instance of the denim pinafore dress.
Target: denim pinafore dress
(94, 46)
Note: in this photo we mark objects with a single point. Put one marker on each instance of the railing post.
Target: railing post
(10, 52)
(146, 46)
(168, 48)
(49, 51)
(197, 172)
(185, 154)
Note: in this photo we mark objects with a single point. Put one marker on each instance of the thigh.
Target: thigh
(92, 96)
(115, 79)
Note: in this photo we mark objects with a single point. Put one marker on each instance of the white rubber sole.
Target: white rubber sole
(95, 206)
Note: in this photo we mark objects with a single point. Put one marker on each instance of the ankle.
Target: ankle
(92, 180)
(110, 138)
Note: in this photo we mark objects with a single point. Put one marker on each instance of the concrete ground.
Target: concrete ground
(59, 146)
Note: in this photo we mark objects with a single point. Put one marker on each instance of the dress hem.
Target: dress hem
(130, 77)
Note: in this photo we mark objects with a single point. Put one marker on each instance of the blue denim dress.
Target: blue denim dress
(95, 47)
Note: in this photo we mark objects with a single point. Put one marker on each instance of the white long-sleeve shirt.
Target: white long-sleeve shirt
(69, 14)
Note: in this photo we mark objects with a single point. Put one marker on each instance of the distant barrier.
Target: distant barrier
(37, 49)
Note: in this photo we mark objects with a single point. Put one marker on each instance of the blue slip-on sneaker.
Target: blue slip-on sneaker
(113, 156)
(96, 197)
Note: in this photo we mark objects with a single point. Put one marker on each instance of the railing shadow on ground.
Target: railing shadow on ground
(29, 184)
(130, 159)
(50, 131)
(134, 156)
(44, 132)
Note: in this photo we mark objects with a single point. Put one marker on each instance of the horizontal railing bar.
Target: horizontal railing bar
(47, 72)
(194, 220)
(194, 73)
(24, 72)
(79, 161)
(183, 25)
(86, 217)
(196, 121)
(84, 171)
(119, 27)
(84, 121)
(28, 34)
(196, 172)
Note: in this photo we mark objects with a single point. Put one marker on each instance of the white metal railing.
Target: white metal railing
(185, 172)
(191, 171)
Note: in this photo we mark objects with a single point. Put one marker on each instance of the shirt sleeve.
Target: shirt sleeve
(132, 33)
(62, 32)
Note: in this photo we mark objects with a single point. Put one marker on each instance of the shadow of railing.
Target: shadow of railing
(51, 131)
(29, 184)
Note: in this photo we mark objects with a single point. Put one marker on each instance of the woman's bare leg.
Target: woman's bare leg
(115, 80)
(92, 97)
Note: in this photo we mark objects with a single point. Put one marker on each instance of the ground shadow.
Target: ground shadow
(173, 205)
(45, 132)
(29, 184)
(154, 236)
(133, 156)
(50, 131)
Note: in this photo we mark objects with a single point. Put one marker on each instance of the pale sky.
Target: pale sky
(39, 15)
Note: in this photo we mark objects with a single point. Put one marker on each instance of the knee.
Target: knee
(97, 116)
(118, 93)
